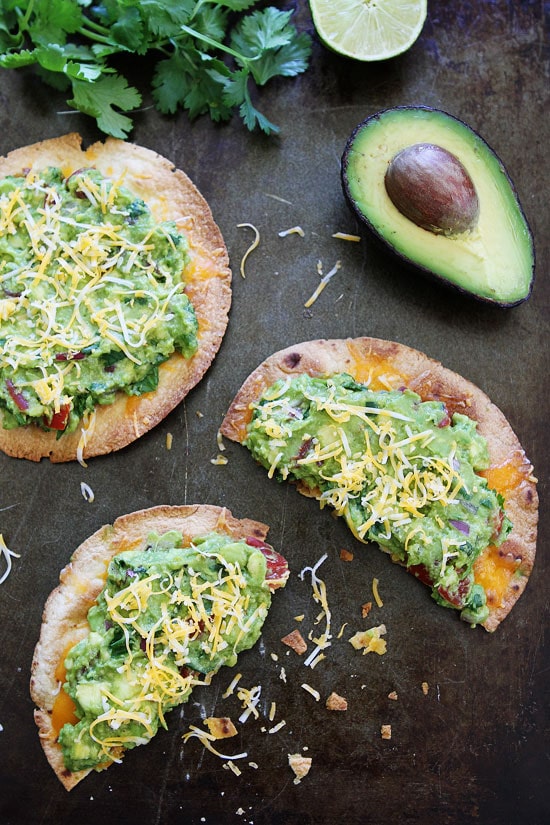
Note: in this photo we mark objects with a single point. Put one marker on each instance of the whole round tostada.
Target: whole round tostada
(147, 608)
(115, 290)
(415, 457)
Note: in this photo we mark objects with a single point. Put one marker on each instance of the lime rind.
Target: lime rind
(369, 30)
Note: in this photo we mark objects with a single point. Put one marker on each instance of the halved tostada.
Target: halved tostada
(414, 457)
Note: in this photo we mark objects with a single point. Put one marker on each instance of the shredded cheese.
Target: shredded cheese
(6, 556)
(206, 740)
(345, 236)
(320, 596)
(87, 492)
(73, 291)
(252, 247)
(376, 594)
(315, 693)
(324, 281)
(249, 698)
(294, 230)
(394, 477)
(215, 607)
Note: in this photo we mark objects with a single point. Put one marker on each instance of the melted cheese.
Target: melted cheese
(494, 571)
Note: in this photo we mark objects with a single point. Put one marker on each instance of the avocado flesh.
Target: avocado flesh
(495, 260)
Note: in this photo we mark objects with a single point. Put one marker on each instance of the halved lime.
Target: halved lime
(368, 29)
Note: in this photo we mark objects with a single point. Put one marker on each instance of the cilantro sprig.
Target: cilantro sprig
(208, 57)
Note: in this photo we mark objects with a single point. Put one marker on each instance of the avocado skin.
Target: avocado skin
(395, 238)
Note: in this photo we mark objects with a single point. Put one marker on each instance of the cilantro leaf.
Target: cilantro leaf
(168, 86)
(236, 93)
(98, 99)
(165, 18)
(237, 5)
(52, 22)
(214, 54)
(286, 61)
(262, 30)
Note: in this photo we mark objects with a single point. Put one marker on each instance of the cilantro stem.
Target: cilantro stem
(103, 30)
(216, 44)
(100, 38)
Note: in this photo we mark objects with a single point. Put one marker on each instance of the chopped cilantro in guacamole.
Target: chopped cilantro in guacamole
(91, 296)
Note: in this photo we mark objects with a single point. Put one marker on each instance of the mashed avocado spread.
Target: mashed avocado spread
(400, 470)
(167, 619)
(91, 296)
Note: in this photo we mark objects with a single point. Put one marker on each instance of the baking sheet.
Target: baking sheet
(475, 747)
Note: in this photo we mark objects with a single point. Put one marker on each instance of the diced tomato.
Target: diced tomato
(59, 420)
(420, 572)
(458, 598)
(446, 420)
(277, 565)
(17, 397)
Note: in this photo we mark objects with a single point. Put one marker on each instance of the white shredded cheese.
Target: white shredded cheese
(6, 556)
(294, 230)
(320, 596)
(324, 281)
(87, 492)
(315, 693)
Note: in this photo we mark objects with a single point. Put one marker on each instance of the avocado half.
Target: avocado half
(425, 157)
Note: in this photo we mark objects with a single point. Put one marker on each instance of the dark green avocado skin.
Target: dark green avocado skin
(503, 231)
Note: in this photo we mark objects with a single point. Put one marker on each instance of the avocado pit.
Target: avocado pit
(431, 187)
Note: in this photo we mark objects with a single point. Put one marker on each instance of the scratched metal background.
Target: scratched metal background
(476, 748)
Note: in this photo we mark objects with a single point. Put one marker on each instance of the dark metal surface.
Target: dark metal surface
(475, 749)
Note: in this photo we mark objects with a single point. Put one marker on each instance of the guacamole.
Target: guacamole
(400, 470)
(91, 296)
(170, 615)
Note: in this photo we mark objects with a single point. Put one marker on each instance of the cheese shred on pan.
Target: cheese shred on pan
(252, 246)
(6, 556)
(324, 281)
(320, 596)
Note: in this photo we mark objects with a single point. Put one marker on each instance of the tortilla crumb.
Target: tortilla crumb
(366, 609)
(385, 731)
(393, 695)
(336, 702)
(346, 555)
(221, 727)
(169, 440)
(425, 688)
(300, 765)
(296, 641)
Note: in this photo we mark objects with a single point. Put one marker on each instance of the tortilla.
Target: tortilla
(390, 365)
(171, 196)
(64, 621)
